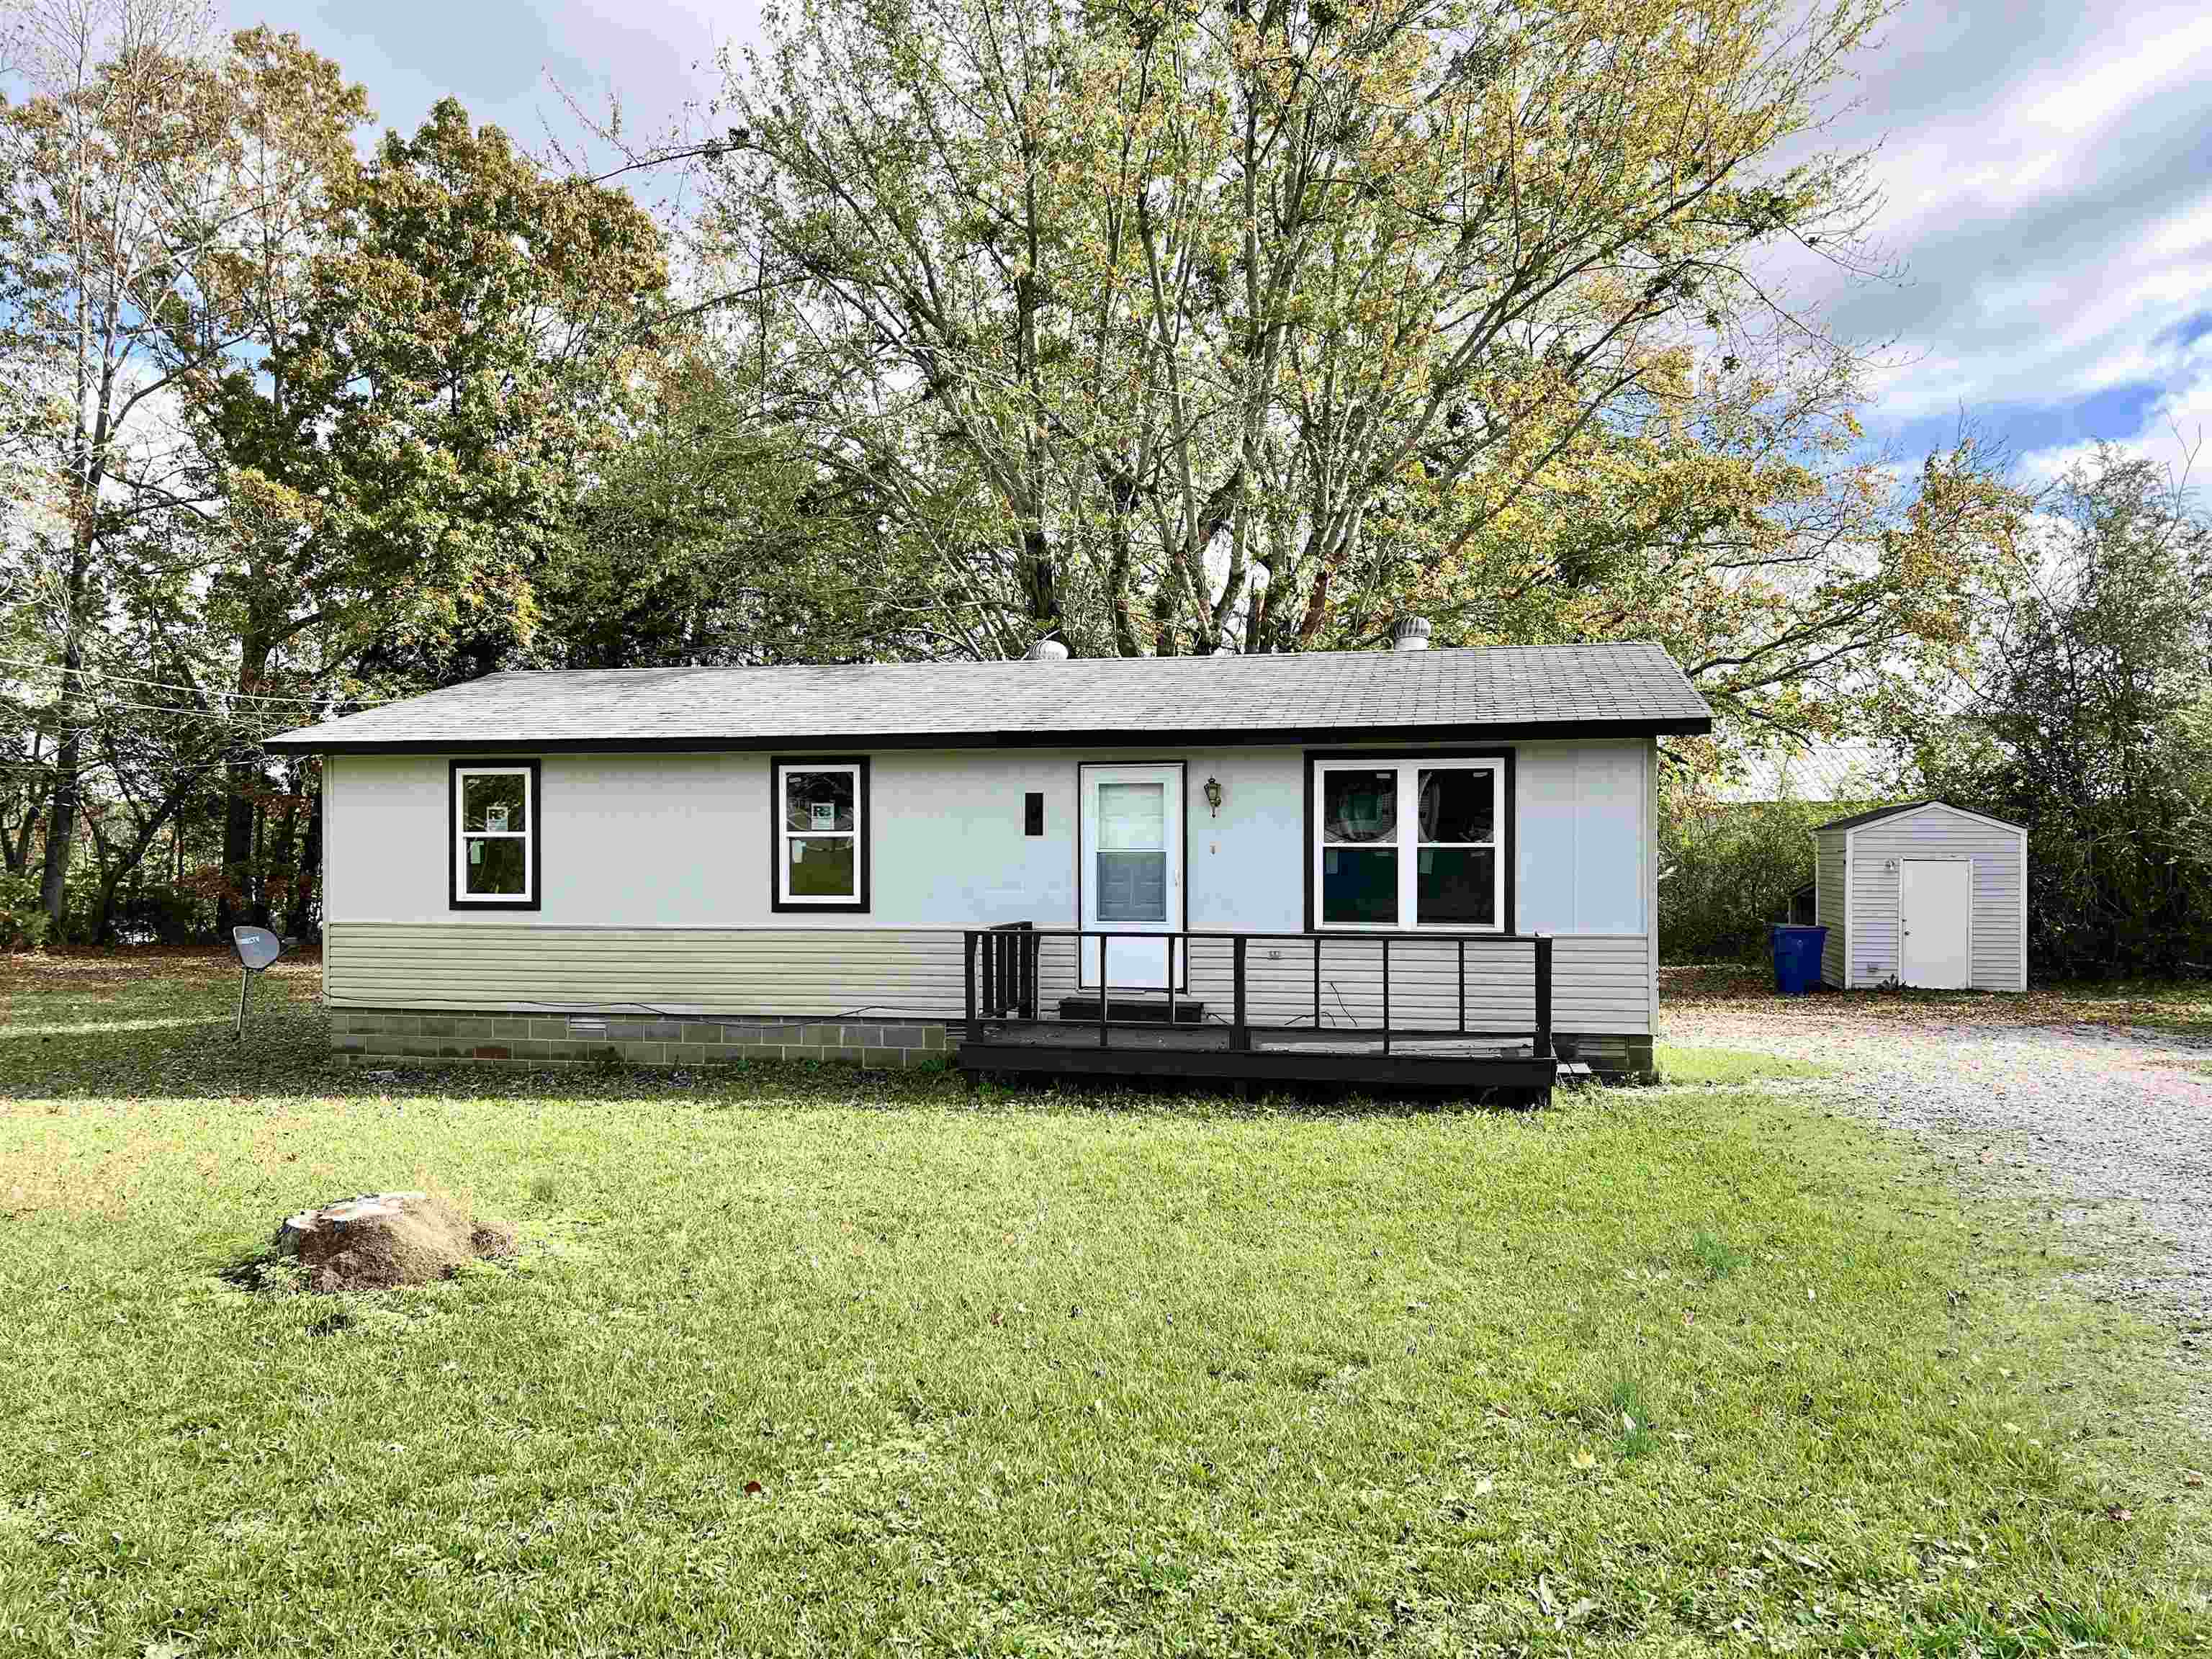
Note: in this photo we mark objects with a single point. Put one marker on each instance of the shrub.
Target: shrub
(1731, 868)
(22, 922)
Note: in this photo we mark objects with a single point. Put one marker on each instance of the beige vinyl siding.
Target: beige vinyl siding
(1600, 983)
(1828, 904)
(1938, 832)
(912, 972)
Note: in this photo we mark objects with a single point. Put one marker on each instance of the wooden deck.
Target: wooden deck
(1163, 1035)
(1274, 1053)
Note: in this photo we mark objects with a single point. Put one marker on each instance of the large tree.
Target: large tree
(159, 179)
(445, 377)
(2085, 714)
(1179, 326)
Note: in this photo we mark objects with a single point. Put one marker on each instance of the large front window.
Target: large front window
(821, 839)
(1409, 843)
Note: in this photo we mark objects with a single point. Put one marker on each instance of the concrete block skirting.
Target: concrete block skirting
(1615, 1054)
(381, 1035)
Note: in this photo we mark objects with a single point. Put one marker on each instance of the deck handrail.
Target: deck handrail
(1001, 967)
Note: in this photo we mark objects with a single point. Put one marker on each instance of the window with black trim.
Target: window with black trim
(495, 835)
(821, 845)
(1404, 843)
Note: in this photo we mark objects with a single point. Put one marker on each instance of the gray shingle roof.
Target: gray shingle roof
(1499, 691)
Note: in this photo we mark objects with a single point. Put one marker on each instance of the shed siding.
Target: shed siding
(1598, 983)
(1828, 904)
(1938, 832)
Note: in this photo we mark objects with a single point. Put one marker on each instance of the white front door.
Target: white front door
(1935, 923)
(1132, 876)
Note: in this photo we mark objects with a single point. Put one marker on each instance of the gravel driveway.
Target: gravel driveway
(2108, 1124)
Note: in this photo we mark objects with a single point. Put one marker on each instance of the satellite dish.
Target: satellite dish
(257, 948)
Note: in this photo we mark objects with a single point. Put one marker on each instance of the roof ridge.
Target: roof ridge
(1379, 654)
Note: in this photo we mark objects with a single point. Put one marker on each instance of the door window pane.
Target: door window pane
(495, 801)
(1133, 886)
(822, 866)
(1132, 817)
(819, 801)
(1459, 804)
(1358, 806)
(1457, 884)
(494, 865)
(1359, 884)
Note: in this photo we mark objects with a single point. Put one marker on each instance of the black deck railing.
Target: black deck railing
(1002, 975)
(1006, 963)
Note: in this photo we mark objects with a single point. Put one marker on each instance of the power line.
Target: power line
(181, 714)
(172, 686)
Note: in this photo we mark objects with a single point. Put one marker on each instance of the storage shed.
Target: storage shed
(1923, 894)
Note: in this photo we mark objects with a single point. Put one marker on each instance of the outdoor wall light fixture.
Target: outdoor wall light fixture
(1213, 795)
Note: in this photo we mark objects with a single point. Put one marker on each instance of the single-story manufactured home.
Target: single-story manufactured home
(1390, 865)
(1922, 894)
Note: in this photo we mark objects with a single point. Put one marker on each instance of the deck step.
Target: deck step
(1186, 1013)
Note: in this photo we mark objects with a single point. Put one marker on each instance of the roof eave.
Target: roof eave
(309, 742)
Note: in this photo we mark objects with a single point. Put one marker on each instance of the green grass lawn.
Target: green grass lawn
(1678, 1064)
(806, 1361)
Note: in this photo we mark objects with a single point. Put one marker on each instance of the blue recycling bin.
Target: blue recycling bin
(1797, 958)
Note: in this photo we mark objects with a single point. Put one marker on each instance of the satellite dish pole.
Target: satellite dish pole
(257, 948)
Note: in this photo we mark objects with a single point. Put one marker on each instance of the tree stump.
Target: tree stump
(378, 1239)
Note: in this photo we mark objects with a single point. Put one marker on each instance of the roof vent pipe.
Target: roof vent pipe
(1047, 651)
(1412, 634)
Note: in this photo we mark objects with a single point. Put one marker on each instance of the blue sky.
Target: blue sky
(2047, 173)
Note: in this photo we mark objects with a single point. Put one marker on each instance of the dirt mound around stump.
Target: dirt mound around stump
(381, 1239)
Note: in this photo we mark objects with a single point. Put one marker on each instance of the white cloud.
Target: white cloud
(2048, 178)
(2174, 432)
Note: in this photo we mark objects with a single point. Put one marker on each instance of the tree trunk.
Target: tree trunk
(309, 877)
(61, 830)
(244, 779)
(61, 811)
(234, 897)
(103, 906)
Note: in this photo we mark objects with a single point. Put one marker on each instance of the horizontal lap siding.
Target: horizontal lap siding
(1999, 894)
(910, 973)
(1599, 984)
(1828, 904)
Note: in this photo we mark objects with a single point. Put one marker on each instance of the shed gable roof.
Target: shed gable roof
(1859, 820)
(1565, 690)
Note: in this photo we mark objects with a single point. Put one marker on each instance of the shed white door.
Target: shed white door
(1935, 923)
(1131, 877)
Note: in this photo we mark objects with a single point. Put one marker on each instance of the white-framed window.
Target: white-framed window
(495, 834)
(820, 848)
(1410, 842)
